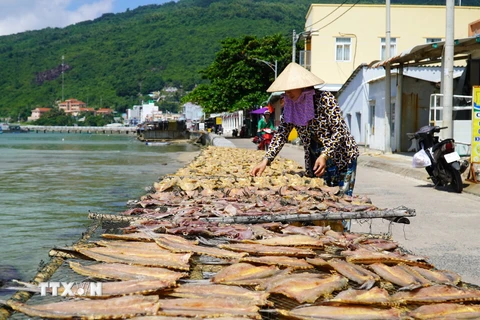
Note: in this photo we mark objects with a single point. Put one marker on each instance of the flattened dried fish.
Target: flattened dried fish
(124, 288)
(119, 271)
(213, 307)
(437, 294)
(446, 311)
(399, 275)
(342, 313)
(364, 256)
(374, 296)
(290, 240)
(136, 236)
(355, 273)
(243, 271)
(162, 258)
(207, 291)
(307, 287)
(113, 308)
(439, 276)
(259, 249)
(281, 261)
(171, 242)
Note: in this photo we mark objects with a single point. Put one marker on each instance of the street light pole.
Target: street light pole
(271, 65)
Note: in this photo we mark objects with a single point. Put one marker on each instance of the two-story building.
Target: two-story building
(74, 107)
(37, 113)
(342, 44)
(338, 38)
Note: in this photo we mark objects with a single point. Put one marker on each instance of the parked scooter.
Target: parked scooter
(445, 166)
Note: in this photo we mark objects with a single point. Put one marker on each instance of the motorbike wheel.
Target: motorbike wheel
(456, 183)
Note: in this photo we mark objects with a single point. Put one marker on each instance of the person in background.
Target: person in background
(265, 122)
(330, 150)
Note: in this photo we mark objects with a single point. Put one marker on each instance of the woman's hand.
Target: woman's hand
(259, 168)
(320, 165)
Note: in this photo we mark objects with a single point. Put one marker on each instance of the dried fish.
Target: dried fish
(243, 271)
(374, 296)
(446, 311)
(123, 288)
(113, 308)
(364, 256)
(157, 258)
(174, 244)
(119, 271)
(399, 276)
(281, 261)
(355, 273)
(207, 291)
(342, 313)
(439, 276)
(290, 240)
(306, 287)
(211, 308)
(437, 294)
(259, 249)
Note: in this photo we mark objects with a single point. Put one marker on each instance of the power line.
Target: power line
(326, 15)
(335, 18)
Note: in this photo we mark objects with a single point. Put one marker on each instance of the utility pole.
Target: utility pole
(447, 80)
(294, 45)
(63, 58)
(388, 89)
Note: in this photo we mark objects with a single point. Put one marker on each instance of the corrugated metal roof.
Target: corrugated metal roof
(430, 53)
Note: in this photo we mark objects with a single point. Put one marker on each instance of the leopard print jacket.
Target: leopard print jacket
(328, 127)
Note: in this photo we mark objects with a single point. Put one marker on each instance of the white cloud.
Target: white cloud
(23, 15)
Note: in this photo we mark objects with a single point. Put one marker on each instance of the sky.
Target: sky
(24, 15)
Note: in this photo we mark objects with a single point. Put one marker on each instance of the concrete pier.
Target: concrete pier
(78, 129)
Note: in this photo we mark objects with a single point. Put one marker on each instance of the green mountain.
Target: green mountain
(112, 60)
(116, 59)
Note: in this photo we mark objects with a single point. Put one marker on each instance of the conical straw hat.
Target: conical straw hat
(294, 76)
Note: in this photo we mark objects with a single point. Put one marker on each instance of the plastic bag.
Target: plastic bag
(421, 159)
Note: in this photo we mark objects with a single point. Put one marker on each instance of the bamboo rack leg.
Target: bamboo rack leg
(44, 275)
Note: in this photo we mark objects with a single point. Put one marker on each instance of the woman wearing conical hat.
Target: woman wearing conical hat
(330, 150)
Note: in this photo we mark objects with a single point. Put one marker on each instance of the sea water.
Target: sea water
(49, 182)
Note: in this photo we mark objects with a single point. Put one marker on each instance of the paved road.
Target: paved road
(445, 229)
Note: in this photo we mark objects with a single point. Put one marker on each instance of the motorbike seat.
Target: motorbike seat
(439, 144)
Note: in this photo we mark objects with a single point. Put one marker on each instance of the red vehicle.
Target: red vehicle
(264, 142)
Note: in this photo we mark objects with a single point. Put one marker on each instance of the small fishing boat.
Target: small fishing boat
(157, 143)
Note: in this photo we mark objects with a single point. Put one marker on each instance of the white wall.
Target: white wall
(354, 102)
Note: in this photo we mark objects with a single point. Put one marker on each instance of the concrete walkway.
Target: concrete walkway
(398, 163)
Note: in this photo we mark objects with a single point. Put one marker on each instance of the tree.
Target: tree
(240, 74)
(55, 117)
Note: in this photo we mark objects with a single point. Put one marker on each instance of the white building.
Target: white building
(362, 100)
(192, 114)
(141, 113)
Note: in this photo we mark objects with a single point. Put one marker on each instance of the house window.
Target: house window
(393, 48)
(432, 40)
(343, 48)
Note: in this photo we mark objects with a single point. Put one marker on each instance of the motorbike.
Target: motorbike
(445, 167)
(264, 141)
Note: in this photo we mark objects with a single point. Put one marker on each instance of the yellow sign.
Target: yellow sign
(218, 120)
(476, 125)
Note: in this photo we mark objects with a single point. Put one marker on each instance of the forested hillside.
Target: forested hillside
(113, 60)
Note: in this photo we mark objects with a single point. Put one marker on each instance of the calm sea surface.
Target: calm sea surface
(49, 183)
